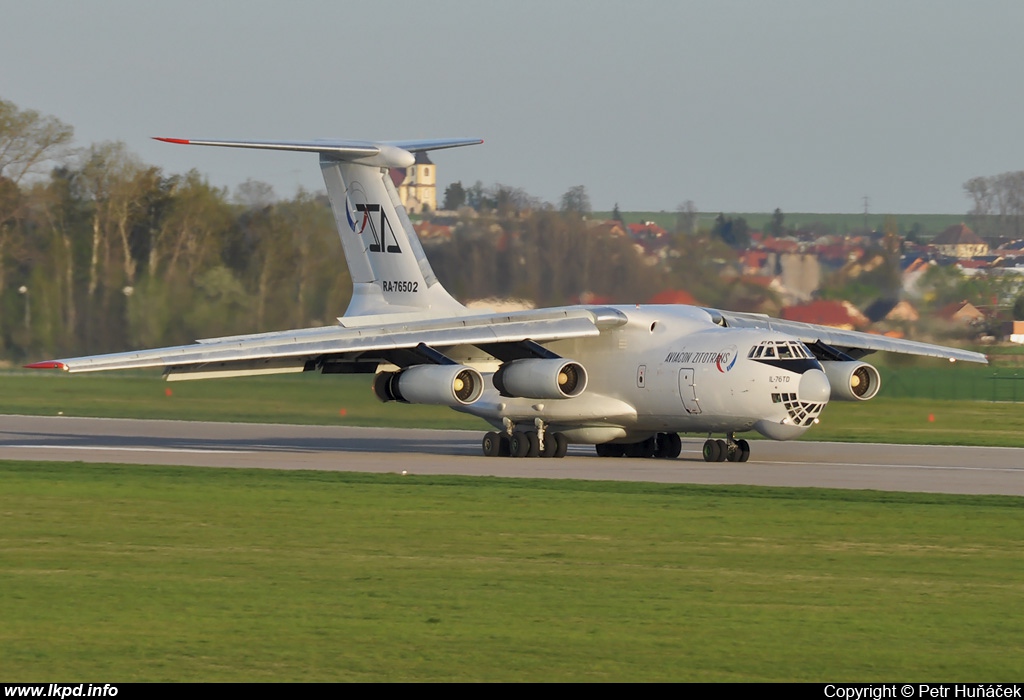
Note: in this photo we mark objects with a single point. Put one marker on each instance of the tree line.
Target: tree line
(102, 252)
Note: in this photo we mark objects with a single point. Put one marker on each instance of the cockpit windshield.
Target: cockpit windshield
(780, 350)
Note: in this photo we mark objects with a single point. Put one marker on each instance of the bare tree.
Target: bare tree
(29, 139)
(998, 203)
(576, 201)
(686, 218)
(254, 194)
(116, 182)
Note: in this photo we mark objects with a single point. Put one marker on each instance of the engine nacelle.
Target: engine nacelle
(852, 380)
(443, 385)
(541, 379)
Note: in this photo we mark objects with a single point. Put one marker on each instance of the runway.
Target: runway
(924, 468)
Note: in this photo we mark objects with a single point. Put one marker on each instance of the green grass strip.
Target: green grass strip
(132, 573)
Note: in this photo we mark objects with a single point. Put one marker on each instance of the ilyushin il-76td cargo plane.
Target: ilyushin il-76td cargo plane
(627, 379)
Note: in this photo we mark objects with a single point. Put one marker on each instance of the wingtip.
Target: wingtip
(49, 364)
(166, 139)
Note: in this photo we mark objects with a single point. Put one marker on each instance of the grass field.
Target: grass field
(340, 400)
(155, 573)
(922, 422)
(310, 399)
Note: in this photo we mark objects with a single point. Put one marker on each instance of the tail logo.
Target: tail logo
(362, 215)
(355, 202)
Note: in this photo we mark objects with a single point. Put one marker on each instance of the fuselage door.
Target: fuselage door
(688, 392)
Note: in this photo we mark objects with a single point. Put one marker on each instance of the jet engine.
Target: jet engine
(443, 385)
(852, 380)
(553, 378)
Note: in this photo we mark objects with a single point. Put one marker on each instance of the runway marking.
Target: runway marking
(827, 465)
(111, 448)
(900, 466)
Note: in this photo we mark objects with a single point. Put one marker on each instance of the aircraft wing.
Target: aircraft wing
(311, 348)
(853, 343)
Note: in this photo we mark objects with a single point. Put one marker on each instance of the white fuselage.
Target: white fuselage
(672, 369)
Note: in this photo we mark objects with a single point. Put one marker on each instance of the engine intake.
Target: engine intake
(852, 380)
(541, 379)
(442, 385)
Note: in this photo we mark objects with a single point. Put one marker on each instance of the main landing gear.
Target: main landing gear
(729, 449)
(661, 446)
(525, 443)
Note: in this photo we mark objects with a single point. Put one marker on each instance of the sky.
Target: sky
(808, 106)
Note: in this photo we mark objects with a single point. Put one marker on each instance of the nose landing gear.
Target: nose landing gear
(729, 449)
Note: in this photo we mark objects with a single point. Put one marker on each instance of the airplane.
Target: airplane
(627, 379)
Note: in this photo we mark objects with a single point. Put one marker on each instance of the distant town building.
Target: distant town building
(839, 314)
(430, 232)
(1017, 334)
(961, 312)
(903, 312)
(609, 227)
(417, 184)
(959, 241)
(674, 296)
(800, 274)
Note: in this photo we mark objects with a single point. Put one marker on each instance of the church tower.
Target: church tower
(417, 184)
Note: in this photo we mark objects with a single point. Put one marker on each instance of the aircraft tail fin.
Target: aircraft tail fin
(390, 272)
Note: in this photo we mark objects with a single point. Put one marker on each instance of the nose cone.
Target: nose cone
(814, 387)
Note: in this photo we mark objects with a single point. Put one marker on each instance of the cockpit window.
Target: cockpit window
(780, 349)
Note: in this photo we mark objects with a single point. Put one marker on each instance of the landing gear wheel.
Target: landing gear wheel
(491, 444)
(519, 444)
(550, 446)
(609, 449)
(723, 450)
(533, 441)
(669, 446)
(743, 447)
(642, 449)
(710, 451)
(561, 445)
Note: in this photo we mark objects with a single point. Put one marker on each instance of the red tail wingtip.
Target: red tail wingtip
(170, 140)
(49, 364)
